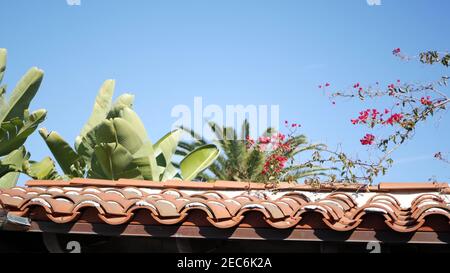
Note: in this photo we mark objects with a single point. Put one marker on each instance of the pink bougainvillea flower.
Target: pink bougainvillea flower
(396, 51)
(262, 147)
(363, 116)
(368, 139)
(281, 136)
(264, 140)
(375, 113)
(426, 101)
(394, 118)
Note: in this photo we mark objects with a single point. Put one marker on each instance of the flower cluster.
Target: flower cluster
(368, 139)
(394, 118)
(276, 148)
(373, 117)
(411, 104)
(426, 101)
(275, 163)
(269, 143)
(396, 51)
(250, 142)
(293, 125)
(366, 116)
(324, 85)
(358, 87)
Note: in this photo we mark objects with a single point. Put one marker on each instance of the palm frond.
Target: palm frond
(197, 137)
(245, 131)
(254, 163)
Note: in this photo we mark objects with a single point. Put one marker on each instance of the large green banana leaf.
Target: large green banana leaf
(110, 131)
(198, 160)
(147, 161)
(166, 147)
(3, 103)
(15, 132)
(43, 170)
(123, 101)
(119, 152)
(100, 110)
(9, 180)
(170, 172)
(22, 95)
(113, 161)
(3, 54)
(118, 131)
(131, 117)
(69, 161)
(13, 162)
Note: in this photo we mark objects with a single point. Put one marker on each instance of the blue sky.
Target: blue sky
(229, 52)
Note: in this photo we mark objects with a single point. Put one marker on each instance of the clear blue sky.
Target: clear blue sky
(229, 52)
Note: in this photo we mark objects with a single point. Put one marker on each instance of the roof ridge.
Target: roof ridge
(235, 185)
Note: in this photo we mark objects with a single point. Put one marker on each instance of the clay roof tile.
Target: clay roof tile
(403, 207)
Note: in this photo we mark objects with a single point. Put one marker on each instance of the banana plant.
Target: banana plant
(114, 144)
(16, 122)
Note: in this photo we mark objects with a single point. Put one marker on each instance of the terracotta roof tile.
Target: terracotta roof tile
(405, 208)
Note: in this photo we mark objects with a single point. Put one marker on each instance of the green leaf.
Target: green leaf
(22, 95)
(42, 170)
(125, 135)
(3, 54)
(15, 132)
(117, 131)
(254, 163)
(13, 162)
(129, 115)
(112, 161)
(9, 180)
(122, 102)
(198, 160)
(167, 145)
(245, 131)
(66, 157)
(170, 172)
(3, 102)
(148, 153)
(101, 108)
(144, 167)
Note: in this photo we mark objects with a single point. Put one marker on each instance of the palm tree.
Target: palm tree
(238, 161)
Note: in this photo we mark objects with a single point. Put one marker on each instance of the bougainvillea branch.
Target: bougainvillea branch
(409, 105)
(442, 157)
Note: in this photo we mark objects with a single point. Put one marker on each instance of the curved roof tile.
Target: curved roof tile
(226, 205)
